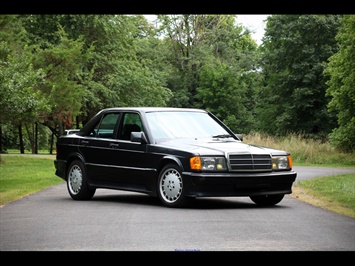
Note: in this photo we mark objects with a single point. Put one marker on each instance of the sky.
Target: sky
(255, 23)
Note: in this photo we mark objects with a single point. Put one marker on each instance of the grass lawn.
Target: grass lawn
(21, 176)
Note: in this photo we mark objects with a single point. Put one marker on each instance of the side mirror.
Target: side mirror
(139, 137)
(239, 136)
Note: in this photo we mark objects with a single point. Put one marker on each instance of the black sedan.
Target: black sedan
(175, 154)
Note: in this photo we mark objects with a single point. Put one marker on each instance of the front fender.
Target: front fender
(168, 158)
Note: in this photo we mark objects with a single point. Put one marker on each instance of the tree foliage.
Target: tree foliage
(212, 59)
(342, 86)
(114, 74)
(19, 101)
(63, 88)
(295, 52)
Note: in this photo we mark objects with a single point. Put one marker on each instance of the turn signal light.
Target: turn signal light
(195, 163)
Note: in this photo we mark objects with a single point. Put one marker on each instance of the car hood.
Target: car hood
(219, 147)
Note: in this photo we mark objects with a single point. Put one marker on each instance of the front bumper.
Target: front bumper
(241, 184)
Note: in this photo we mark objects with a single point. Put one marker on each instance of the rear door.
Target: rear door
(97, 147)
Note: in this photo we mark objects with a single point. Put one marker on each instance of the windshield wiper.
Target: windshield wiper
(222, 136)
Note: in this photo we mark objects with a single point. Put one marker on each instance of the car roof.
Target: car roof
(153, 109)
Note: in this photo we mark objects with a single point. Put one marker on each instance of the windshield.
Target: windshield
(173, 125)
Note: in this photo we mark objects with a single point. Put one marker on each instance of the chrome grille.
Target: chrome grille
(250, 162)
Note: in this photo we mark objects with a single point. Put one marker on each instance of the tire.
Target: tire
(267, 200)
(170, 186)
(77, 183)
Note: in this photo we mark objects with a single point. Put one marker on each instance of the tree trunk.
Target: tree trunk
(1, 150)
(77, 122)
(61, 129)
(22, 147)
(36, 138)
(51, 145)
(31, 136)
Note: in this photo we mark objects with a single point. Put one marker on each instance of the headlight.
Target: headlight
(208, 163)
(282, 163)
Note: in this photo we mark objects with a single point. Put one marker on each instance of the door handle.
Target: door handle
(114, 145)
(85, 142)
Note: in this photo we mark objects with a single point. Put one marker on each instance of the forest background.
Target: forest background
(58, 71)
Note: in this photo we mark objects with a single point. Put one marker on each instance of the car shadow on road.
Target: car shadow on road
(197, 203)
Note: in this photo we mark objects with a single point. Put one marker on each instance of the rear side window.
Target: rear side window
(106, 127)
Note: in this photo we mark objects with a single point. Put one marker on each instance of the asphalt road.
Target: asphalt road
(123, 221)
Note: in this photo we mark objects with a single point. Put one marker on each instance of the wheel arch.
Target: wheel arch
(72, 157)
(169, 159)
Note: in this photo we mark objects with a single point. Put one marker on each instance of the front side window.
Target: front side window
(131, 123)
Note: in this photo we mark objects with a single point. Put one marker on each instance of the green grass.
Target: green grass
(335, 193)
(21, 176)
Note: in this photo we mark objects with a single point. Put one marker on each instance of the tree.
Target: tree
(20, 104)
(295, 51)
(342, 86)
(187, 36)
(42, 81)
(119, 73)
(213, 66)
(65, 80)
(10, 35)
